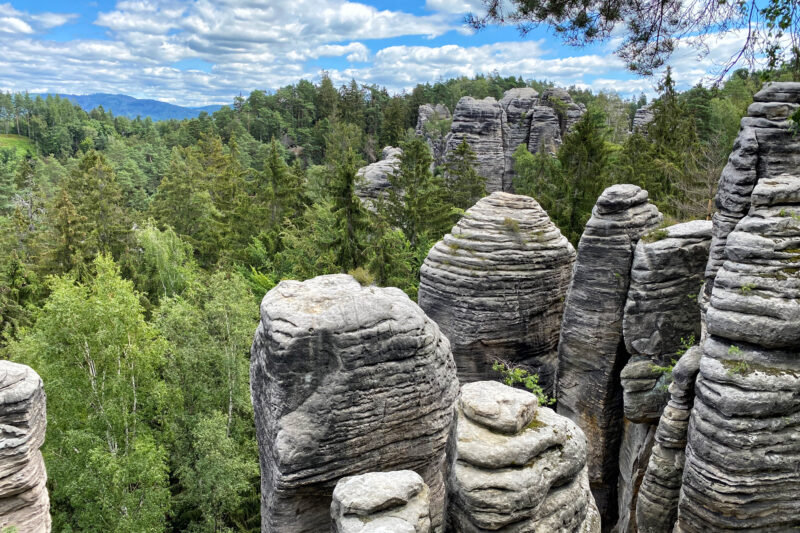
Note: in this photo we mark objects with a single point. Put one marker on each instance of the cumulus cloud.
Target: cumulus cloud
(13, 21)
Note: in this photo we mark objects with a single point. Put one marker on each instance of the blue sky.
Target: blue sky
(196, 52)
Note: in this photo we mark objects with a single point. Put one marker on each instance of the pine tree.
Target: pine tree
(463, 182)
(351, 218)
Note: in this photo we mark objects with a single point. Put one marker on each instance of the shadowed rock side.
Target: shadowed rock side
(765, 147)
(374, 179)
(641, 119)
(591, 352)
(545, 133)
(433, 135)
(515, 467)
(480, 123)
(24, 503)
(394, 502)
(518, 107)
(661, 310)
(569, 112)
(495, 285)
(345, 380)
(657, 504)
(743, 453)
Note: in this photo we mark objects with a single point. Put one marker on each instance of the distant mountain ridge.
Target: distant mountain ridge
(128, 106)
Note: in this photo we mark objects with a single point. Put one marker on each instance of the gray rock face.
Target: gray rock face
(374, 179)
(436, 139)
(495, 285)
(531, 480)
(381, 501)
(657, 504)
(521, 117)
(518, 107)
(641, 119)
(480, 123)
(765, 147)
(661, 309)
(591, 353)
(24, 503)
(345, 380)
(743, 453)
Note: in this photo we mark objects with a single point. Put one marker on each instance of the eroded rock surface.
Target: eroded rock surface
(429, 126)
(480, 123)
(374, 179)
(743, 453)
(396, 502)
(642, 118)
(495, 285)
(765, 147)
(591, 352)
(508, 480)
(24, 502)
(657, 504)
(345, 380)
(518, 107)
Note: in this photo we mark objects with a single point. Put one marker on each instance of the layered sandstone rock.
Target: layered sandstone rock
(642, 118)
(374, 179)
(480, 123)
(742, 452)
(661, 319)
(24, 503)
(345, 380)
(657, 503)
(495, 285)
(430, 121)
(518, 107)
(591, 352)
(545, 134)
(516, 467)
(766, 146)
(394, 502)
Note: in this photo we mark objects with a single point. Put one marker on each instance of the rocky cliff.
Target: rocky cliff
(516, 467)
(373, 180)
(346, 380)
(433, 124)
(495, 285)
(591, 350)
(24, 503)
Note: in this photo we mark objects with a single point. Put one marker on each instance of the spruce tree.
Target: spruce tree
(464, 185)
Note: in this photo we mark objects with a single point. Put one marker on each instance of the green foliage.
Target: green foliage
(22, 146)
(747, 288)
(363, 276)
(515, 375)
(464, 184)
(666, 370)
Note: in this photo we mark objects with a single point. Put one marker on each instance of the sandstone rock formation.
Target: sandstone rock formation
(433, 116)
(396, 502)
(480, 123)
(515, 467)
(591, 353)
(765, 147)
(374, 178)
(345, 380)
(24, 503)
(495, 285)
(642, 118)
(494, 129)
(661, 318)
(742, 451)
(657, 503)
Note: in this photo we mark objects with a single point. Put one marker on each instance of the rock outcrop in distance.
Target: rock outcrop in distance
(765, 146)
(743, 450)
(495, 285)
(392, 502)
(516, 467)
(373, 180)
(591, 352)
(431, 123)
(24, 502)
(495, 129)
(662, 318)
(346, 380)
(641, 119)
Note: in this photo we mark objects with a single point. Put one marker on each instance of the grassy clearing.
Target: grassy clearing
(21, 144)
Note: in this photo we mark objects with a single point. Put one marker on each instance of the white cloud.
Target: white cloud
(454, 6)
(13, 21)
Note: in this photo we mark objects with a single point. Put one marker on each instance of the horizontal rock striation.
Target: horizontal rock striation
(517, 106)
(743, 453)
(657, 504)
(345, 380)
(515, 467)
(642, 119)
(591, 353)
(433, 124)
(765, 146)
(24, 502)
(495, 285)
(394, 502)
(373, 180)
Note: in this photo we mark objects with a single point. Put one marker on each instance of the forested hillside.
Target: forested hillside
(133, 255)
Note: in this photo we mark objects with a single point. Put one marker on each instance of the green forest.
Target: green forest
(134, 254)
